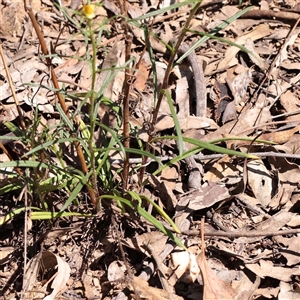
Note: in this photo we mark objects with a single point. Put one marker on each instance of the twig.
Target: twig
(272, 65)
(199, 81)
(59, 96)
(159, 265)
(233, 234)
(126, 90)
(22, 121)
(129, 272)
(166, 82)
(201, 157)
(283, 16)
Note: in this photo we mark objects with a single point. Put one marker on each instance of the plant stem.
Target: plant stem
(166, 82)
(92, 111)
(171, 61)
(58, 94)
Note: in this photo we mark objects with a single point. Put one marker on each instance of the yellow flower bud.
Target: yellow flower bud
(89, 11)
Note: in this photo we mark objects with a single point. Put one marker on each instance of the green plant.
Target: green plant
(45, 158)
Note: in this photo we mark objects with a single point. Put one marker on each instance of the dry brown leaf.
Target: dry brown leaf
(272, 224)
(242, 127)
(208, 195)
(283, 55)
(289, 291)
(182, 97)
(51, 261)
(149, 292)
(165, 190)
(290, 103)
(213, 287)
(295, 222)
(259, 32)
(156, 238)
(170, 176)
(268, 293)
(257, 59)
(291, 250)
(245, 288)
(267, 269)
(114, 58)
(5, 254)
(224, 168)
(229, 112)
(288, 174)
(142, 75)
(11, 19)
(290, 66)
(239, 84)
(260, 181)
(39, 265)
(280, 137)
(116, 271)
(186, 123)
(185, 266)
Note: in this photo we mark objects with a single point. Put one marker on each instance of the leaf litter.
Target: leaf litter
(246, 204)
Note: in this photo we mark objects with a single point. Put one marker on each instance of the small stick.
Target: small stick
(233, 234)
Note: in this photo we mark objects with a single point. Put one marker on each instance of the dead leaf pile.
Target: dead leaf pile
(250, 207)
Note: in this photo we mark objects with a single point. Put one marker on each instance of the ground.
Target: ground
(131, 172)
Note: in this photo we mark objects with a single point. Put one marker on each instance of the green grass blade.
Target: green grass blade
(46, 215)
(148, 217)
(48, 144)
(209, 146)
(163, 214)
(65, 117)
(176, 122)
(213, 32)
(163, 10)
(76, 191)
(15, 130)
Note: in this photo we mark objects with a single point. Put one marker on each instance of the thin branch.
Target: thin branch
(59, 96)
(233, 234)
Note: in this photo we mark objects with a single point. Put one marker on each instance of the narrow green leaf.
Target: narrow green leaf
(163, 10)
(48, 144)
(46, 215)
(76, 191)
(65, 117)
(14, 129)
(176, 122)
(211, 147)
(148, 217)
(10, 215)
(213, 32)
(163, 214)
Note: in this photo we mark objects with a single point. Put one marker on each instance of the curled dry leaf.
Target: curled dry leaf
(40, 265)
(52, 261)
(116, 271)
(186, 268)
